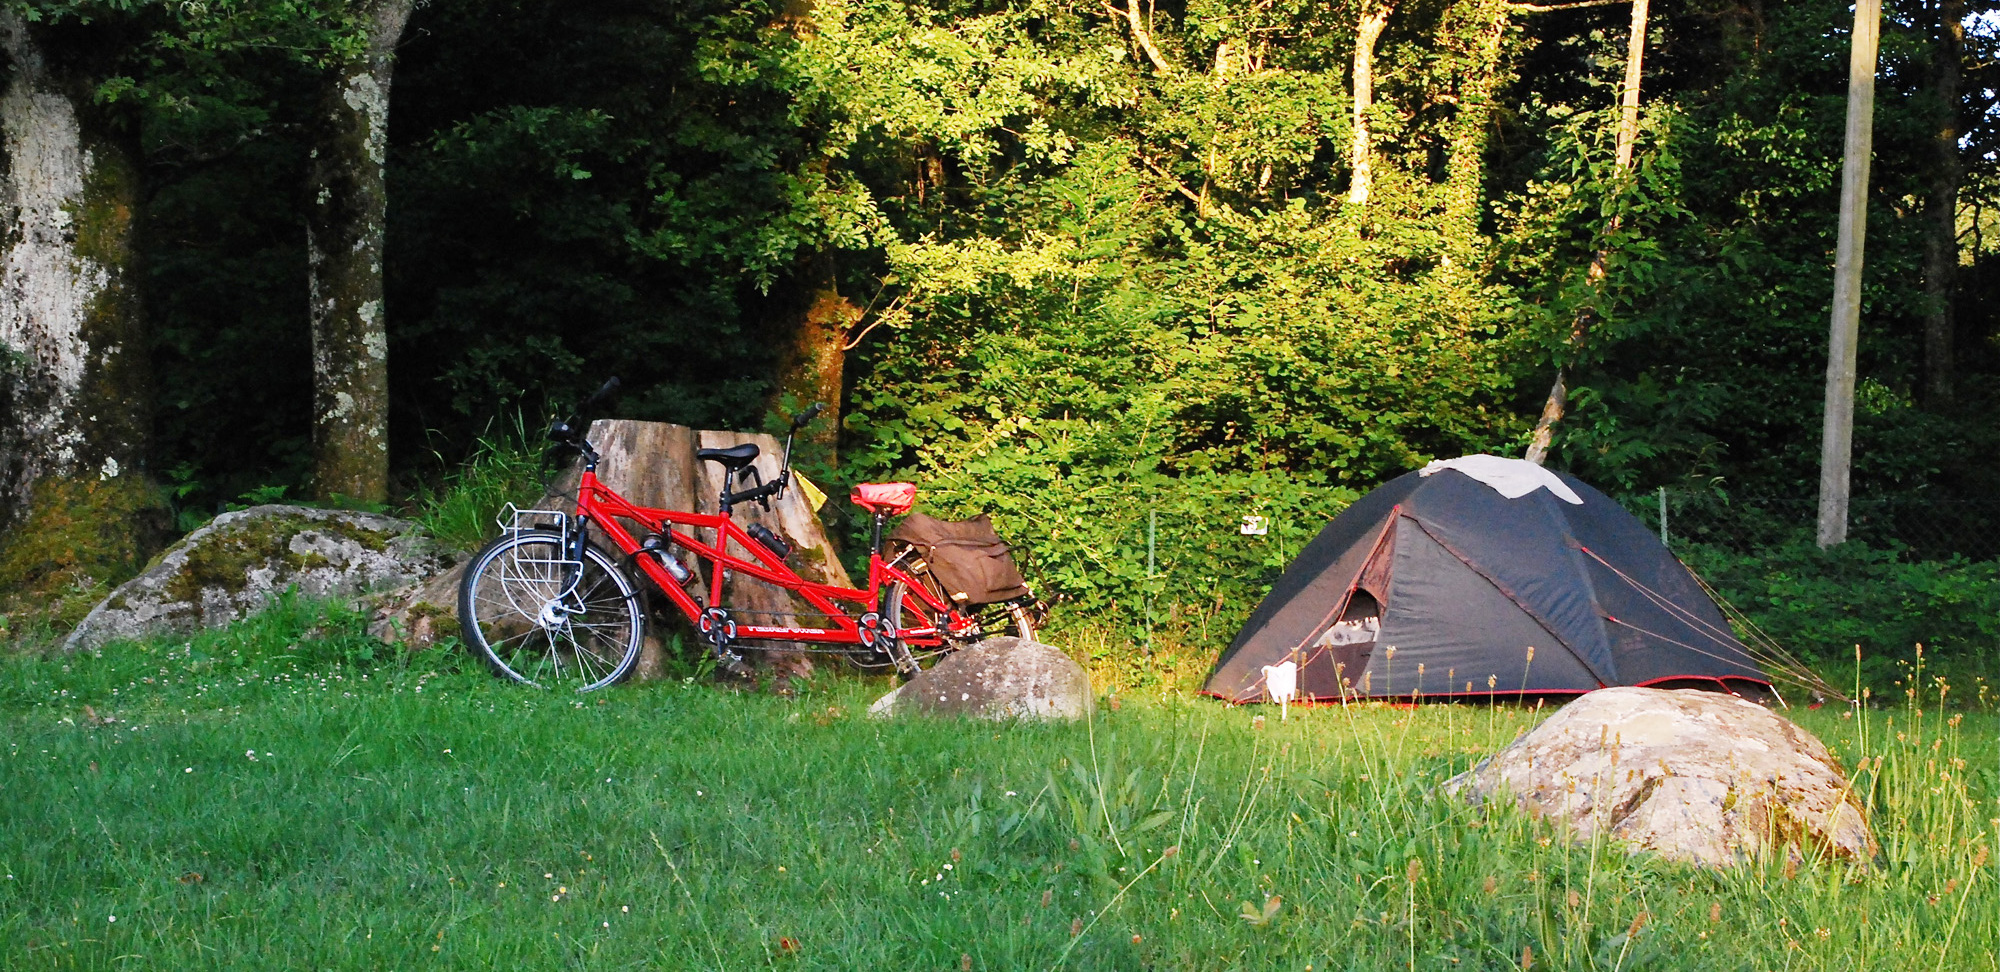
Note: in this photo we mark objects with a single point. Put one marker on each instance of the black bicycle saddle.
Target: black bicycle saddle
(734, 457)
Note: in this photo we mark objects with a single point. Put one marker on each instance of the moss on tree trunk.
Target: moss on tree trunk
(75, 389)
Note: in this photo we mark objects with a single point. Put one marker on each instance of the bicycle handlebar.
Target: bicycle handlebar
(597, 398)
(564, 432)
(799, 421)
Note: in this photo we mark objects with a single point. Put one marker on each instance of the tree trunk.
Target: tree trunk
(1374, 18)
(74, 382)
(1941, 239)
(812, 365)
(1628, 136)
(1843, 339)
(344, 229)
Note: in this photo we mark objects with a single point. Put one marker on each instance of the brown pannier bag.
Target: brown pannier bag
(967, 558)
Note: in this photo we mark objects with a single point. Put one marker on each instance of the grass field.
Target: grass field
(271, 797)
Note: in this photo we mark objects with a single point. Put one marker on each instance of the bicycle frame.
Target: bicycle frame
(601, 506)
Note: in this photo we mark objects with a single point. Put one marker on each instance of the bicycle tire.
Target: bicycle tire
(519, 611)
(907, 665)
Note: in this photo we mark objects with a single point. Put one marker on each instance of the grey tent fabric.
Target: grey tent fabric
(1461, 581)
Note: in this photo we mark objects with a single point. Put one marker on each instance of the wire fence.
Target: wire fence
(1928, 527)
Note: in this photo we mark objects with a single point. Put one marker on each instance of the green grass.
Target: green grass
(416, 813)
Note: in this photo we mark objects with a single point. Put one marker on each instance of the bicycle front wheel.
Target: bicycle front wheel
(543, 619)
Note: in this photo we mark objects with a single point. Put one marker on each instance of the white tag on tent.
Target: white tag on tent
(1282, 681)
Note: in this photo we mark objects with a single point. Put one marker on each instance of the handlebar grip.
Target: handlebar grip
(799, 421)
(601, 394)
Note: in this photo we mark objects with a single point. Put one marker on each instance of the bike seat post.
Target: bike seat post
(875, 540)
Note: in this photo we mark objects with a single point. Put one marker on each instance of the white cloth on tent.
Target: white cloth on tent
(1512, 478)
(1282, 681)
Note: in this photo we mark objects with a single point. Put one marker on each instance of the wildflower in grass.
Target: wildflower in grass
(1075, 927)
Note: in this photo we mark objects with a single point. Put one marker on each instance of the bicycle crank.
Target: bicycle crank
(719, 630)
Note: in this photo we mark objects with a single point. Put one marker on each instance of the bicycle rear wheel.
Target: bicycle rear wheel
(542, 619)
(1012, 619)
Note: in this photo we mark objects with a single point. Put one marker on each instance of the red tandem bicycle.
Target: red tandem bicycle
(548, 605)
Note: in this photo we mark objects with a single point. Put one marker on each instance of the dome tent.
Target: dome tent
(1485, 576)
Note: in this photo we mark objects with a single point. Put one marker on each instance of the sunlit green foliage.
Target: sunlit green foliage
(1118, 296)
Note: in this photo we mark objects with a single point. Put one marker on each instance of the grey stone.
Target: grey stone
(1689, 775)
(999, 678)
(237, 563)
(417, 614)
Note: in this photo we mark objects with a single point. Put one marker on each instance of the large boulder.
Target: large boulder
(999, 678)
(237, 563)
(1689, 775)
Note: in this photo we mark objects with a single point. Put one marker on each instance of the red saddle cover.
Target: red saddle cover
(894, 499)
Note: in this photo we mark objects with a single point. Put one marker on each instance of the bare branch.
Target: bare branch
(1142, 34)
(1204, 207)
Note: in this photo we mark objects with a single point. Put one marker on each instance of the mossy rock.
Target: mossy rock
(236, 564)
(418, 614)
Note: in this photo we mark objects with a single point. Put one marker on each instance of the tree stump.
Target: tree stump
(653, 464)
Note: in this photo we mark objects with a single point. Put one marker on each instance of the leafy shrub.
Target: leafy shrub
(1819, 604)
